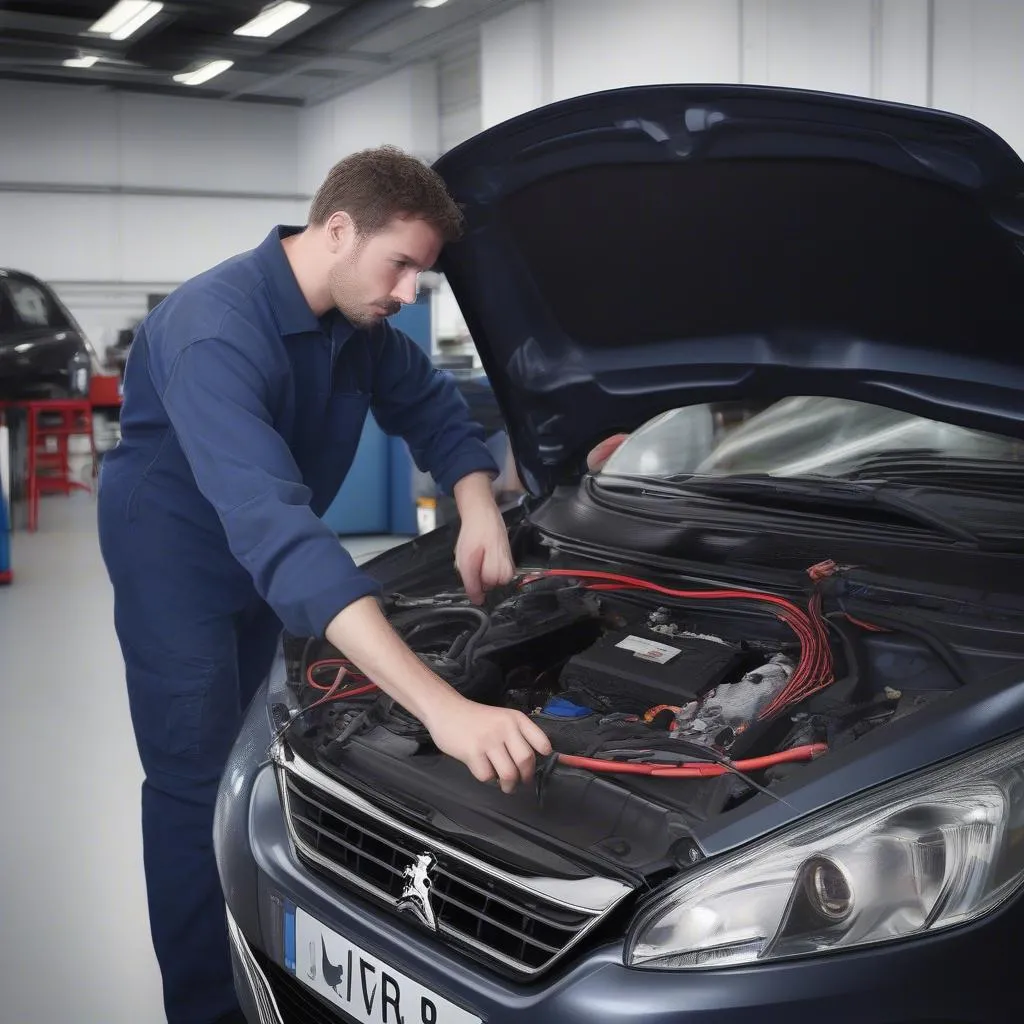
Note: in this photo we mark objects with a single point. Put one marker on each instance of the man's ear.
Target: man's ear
(340, 232)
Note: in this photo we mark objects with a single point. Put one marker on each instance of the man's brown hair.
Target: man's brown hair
(376, 185)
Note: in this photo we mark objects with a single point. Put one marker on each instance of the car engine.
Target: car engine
(628, 678)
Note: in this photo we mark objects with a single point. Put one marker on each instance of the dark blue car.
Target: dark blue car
(777, 640)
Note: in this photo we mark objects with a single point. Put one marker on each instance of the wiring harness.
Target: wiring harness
(814, 669)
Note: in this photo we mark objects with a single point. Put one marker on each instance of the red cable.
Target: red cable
(343, 667)
(819, 670)
(869, 626)
(711, 595)
(332, 663)
(692, 769)
(357, 692)
(813, 671)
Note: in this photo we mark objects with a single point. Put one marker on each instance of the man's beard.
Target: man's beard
(359, 314)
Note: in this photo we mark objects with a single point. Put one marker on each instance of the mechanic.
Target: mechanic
(245, 393)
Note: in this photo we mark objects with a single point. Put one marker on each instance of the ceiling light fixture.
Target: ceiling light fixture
(431, 4)
(204, 73)
(81, 62)
(126, 17)
(272, 19)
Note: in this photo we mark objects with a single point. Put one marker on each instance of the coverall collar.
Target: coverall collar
(288, 304)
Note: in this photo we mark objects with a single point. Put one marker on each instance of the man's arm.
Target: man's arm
(414, 400)
(492, 742)
(482, 554)
(218, 402)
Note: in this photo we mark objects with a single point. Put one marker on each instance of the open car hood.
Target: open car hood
(633, 251)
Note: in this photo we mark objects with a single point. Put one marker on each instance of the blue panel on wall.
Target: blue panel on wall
(415, 321)
(376, 496)
(361, 505)
(402, 506)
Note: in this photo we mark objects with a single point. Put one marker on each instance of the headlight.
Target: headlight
(939, 849)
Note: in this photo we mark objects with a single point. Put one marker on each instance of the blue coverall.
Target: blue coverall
(242, 414)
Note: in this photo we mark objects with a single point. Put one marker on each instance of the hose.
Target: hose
(931, 642)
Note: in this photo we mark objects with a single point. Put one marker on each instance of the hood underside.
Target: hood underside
(634, 251)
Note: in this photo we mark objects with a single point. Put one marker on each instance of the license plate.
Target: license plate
(366, 988)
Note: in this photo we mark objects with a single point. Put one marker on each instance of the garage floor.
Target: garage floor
(72, 895)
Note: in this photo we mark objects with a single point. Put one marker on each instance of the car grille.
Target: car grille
(484, 910)
(296, 1003)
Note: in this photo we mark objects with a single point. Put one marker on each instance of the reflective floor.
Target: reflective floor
(72, 897)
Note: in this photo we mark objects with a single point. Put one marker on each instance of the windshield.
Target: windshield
(793, 437)
(26, 305)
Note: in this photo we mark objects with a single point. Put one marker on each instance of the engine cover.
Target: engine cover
(638, 668)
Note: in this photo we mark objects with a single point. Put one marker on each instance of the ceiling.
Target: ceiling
(333, 48)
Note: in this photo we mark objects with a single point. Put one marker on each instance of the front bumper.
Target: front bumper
(965, 976)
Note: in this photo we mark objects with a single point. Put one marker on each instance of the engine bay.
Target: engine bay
(664, 706)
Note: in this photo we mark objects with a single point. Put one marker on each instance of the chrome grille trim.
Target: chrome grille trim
(590, 899)
(259, 985)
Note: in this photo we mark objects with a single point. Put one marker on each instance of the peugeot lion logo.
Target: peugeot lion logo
(415, 897)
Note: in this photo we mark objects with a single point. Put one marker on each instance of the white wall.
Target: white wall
(401, 109)
(606, 44)
(902, 60)
(515, 62)
(110, 196)
(969, 59)
(802, 44)
(458, 94)
(979, 63)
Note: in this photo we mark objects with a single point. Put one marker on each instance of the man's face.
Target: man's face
(373, 276)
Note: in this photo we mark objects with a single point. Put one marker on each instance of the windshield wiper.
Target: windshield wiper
(1001, 476)
(814, 491)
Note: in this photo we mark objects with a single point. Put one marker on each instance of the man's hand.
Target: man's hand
(482, 555)
(492, 742)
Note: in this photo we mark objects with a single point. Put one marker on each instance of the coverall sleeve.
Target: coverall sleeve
(217, 399)
(414, 400)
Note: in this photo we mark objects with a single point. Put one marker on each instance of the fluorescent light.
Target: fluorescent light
(272, 19)
(126, 17)
(80, 62)
(204, 73)
(429, 3)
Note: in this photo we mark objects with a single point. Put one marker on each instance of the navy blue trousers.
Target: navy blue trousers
(197, 643)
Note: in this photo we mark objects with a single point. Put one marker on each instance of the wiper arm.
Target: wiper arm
(816, 491)
(921, 513)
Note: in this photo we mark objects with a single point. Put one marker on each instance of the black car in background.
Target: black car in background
(43, 351)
